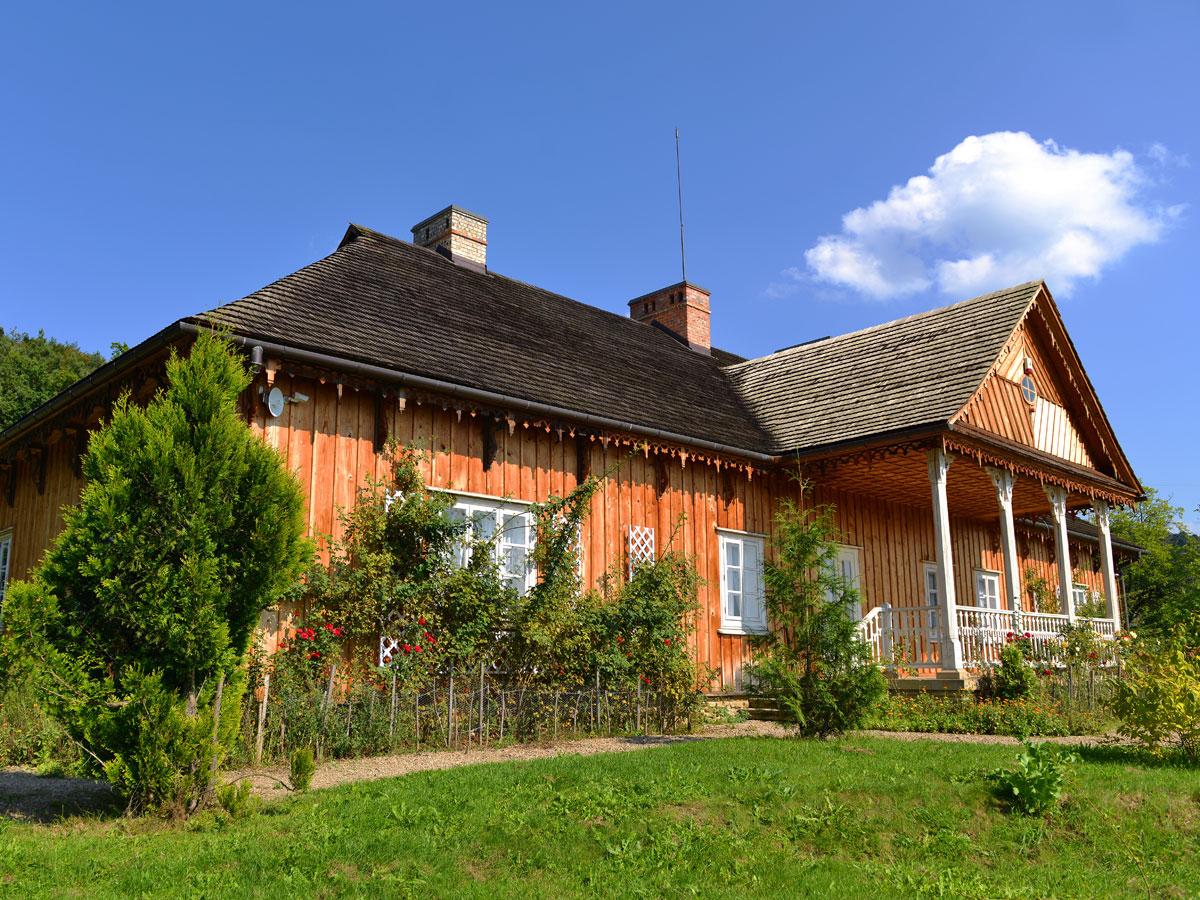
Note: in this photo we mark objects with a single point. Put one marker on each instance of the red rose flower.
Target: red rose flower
(428, 636)
(667, 641)
(408, 648)
(417, 648)
(620, 639)
(421, 621)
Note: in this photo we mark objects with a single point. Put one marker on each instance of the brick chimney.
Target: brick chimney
(457, 234)
(682, 309)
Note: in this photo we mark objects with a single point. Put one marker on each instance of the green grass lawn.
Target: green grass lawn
(737, 817)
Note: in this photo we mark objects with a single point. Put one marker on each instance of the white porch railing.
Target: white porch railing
(910, 636)
(903, 635)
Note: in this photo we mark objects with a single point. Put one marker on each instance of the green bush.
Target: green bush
(1013, 678)
(29, 735)
(812, 660)
(237, 799)
(136, 623)
(1035, 786)
(1158, 701)
(303, 767)
(964, 714)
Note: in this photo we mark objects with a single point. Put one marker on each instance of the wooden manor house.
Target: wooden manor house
(958, 445)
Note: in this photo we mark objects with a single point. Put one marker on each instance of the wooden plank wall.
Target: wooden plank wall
(328, 442)
(1000, 407)
(35, 518)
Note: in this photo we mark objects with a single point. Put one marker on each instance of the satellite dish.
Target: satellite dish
(275, 402)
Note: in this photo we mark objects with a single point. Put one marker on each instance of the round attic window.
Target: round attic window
(1028, 390)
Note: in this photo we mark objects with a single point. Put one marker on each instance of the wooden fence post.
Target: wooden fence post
(483, 703)
(260, 734)
(450, 709)
(392, 713)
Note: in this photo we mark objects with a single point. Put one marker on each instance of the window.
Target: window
(5, 557)
(987, 589)
(508, 527)
(742, 609)
(1028, 389)
(1080, 595)
(1087, 602)
(848, 566)
(932, 598)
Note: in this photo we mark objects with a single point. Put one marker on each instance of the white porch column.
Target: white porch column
(1107, 570)
(1004, 479)
(951, 649)
(1062, 548)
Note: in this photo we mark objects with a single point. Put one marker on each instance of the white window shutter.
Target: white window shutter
(752, 576)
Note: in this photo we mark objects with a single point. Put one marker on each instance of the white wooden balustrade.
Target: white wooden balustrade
(910, 637)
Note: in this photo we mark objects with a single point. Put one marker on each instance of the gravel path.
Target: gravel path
(341, 771)
(23, 795)
(267, 781)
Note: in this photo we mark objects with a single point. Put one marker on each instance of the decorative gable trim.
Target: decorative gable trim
(1089, 442)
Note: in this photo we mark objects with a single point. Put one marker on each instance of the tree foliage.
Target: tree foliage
(406, 568)
(33, 368)
(1162, 586)
(394, 571)
(812, 660)
(187, 528)
(1158, 700)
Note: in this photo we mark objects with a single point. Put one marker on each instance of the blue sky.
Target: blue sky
(158, 160)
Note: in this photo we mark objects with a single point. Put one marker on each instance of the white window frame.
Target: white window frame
(6, 542)
(981, 575)
(752, 618)
(473, 506)
(1081, 594)
(855, 552)
(933, 597)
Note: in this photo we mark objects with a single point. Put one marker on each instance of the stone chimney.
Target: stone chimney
(682, 309)
(456, 233)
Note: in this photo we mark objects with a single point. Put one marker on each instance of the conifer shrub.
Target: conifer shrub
(812, 660)
(136, 623)
(303, 766)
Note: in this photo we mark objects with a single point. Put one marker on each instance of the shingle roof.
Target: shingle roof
(911, 372)
(383, 301)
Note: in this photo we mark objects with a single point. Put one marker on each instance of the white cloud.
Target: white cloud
(996, 210)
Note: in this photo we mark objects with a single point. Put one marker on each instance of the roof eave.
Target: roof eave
(107, 372)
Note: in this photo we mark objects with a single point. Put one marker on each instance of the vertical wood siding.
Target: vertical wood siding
(329, 443)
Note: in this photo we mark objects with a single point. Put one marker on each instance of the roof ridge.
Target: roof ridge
(806, 345)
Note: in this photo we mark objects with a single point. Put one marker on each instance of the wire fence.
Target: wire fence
(457, 711)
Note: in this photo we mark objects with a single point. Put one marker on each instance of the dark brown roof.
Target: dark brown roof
(383, 301)
(916, 371)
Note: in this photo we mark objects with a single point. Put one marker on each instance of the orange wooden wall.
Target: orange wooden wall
(329, 442)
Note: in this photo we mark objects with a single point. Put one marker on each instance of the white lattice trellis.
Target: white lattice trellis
(388, 646)
(639, 546)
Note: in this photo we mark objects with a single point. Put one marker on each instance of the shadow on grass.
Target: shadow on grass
(1124, 754)
(26, 797)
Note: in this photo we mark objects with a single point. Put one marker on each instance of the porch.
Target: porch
(966, 614)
